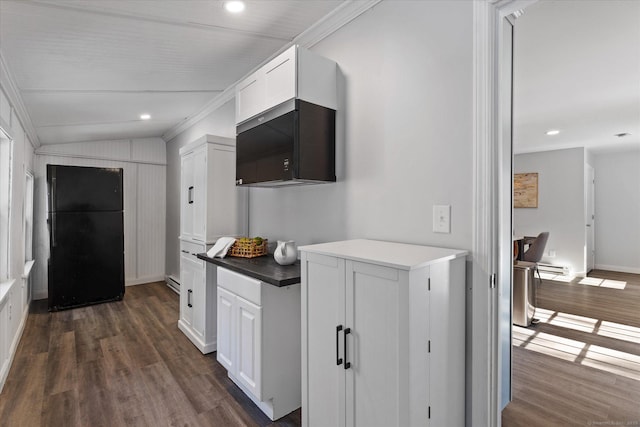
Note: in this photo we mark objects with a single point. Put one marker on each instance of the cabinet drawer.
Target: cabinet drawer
(241, 285)
(191, 248)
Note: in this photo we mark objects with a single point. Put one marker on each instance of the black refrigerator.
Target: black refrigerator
(86, 236)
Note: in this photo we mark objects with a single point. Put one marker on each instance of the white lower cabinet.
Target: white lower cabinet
(197, 300)
(259, 340)
(383, 335)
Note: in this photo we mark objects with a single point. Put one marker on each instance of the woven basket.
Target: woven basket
(248, 249)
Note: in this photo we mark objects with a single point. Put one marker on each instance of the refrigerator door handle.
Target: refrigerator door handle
(53, 231)
(191, 194)
(52, 207)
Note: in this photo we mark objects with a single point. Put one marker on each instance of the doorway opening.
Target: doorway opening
(580, 362)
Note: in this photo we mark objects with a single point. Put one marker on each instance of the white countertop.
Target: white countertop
(397, 255)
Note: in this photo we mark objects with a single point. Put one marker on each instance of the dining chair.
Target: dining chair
(536, 250)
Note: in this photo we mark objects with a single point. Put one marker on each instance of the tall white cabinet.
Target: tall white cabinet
(383, 330)
(211, 206)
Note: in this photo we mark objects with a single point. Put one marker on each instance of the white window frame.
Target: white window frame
(6, 154)
(28, 216)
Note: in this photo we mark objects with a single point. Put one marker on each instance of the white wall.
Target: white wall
(560, 208)
(404, 136)
(220, 123)
(617, 206)
(144, 165)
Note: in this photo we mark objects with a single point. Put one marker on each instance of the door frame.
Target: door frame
(490, 152)
(590, 232)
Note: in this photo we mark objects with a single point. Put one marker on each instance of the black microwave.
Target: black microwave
(291, 144)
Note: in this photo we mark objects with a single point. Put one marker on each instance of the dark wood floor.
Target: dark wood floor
(120, 364)
(580, 366)
(127, 364)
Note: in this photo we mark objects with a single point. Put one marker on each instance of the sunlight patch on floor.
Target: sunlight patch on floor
(603, 283)
(556, 277)
(578, 323)
(603, 328)
(619, 331)
(551, 345)
(603, 358)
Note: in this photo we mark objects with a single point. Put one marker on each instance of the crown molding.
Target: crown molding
(329, 24)
(13, 94)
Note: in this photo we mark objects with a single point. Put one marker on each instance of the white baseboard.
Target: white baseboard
(143, 280)
(173, 283)
(618, 268)
(205, 348)
(40, 294)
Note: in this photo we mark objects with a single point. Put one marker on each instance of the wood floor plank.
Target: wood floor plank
(61, 364)
(222, 415)
(25, 408)
(61, 409)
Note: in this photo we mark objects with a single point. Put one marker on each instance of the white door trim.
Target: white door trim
(488, 154)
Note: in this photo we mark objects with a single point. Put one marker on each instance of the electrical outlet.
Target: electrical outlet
(442, 218)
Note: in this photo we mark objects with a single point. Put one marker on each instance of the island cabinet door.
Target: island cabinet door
(226, 323)
(249, 346)
(187, 279)
(323, 328)
(198, 298)
(375, 348)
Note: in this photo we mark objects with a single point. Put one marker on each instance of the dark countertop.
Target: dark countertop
(263, 268)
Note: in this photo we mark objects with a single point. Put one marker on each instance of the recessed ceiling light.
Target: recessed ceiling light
(234, 6)
(553, 132)
(145, 116)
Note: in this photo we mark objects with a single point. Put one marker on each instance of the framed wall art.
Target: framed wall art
(525, 190)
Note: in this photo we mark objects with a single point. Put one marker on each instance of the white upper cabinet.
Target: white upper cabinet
(280, 78)
(295, 73)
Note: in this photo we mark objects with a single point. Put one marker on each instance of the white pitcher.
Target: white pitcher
(286, 252)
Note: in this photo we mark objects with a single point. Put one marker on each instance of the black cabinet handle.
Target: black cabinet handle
(347, 365)
(191, 194)
(338, 359)
(189, 297)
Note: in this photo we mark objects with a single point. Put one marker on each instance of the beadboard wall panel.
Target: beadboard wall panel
(143, 150)
(151, 208)
(144, 204)
(149, 150)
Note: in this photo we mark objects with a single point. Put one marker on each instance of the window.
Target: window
(5, 202)
(28, 217)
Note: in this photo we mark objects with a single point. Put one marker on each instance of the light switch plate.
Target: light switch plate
(442, 218)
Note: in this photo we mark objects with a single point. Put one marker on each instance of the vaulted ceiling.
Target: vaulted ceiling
(87, 69)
